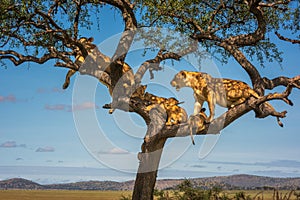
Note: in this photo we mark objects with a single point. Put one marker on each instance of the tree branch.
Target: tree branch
(18, 58)
(128, 15)
(257, 35)
(49, 19)
(232, 114)
(293, 41)
(212, 18)
(153, 64)
(247, 66)
(282, 96)
(274, 4)
(281, 81)
(76, 20)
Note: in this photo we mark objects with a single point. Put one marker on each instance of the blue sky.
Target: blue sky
(52, 135)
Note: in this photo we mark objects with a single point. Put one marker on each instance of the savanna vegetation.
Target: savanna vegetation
(187, 191)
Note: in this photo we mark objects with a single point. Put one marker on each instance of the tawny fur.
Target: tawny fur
(224, 92)
(103, 62)
(175, 114)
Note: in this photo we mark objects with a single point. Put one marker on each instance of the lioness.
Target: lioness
(224, 92)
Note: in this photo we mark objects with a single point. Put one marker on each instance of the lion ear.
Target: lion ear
(91, 39)
(183, 74)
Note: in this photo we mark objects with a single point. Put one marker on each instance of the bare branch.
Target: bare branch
(18, 58)
(281, 81)
(281, 96)
(153, 64)
(293, 41)
(73, 66)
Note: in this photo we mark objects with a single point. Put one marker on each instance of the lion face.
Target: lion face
(87, 43)
(179, 80)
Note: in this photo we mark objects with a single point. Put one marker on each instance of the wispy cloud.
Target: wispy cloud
(84, 106)
(9, 98)
(114, 151)
(45, 149)
(198, 166)
(229, 163)
(56, 107)
(275, 173)
(69, 108)
(11, 144)
(275, 163)
(281, 163)
(49, 90)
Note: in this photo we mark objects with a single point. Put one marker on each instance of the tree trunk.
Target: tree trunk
(149, 158)
(147, 172)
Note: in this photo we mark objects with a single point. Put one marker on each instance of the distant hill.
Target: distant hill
(19, 183)
(225, 182)
(246, 182)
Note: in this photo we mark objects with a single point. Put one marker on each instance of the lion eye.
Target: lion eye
(182, 73)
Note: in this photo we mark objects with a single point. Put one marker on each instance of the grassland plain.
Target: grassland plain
(61, 195)
(116, 195)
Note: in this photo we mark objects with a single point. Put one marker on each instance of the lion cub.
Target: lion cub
(224, 92)
(175, 114)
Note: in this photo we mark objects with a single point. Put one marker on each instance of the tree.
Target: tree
(40, 31)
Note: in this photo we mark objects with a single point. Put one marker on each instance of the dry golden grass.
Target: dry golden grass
(61, 194)
(111, 195)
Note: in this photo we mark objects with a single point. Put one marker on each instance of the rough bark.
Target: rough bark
(149, 158)
(145, 179)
